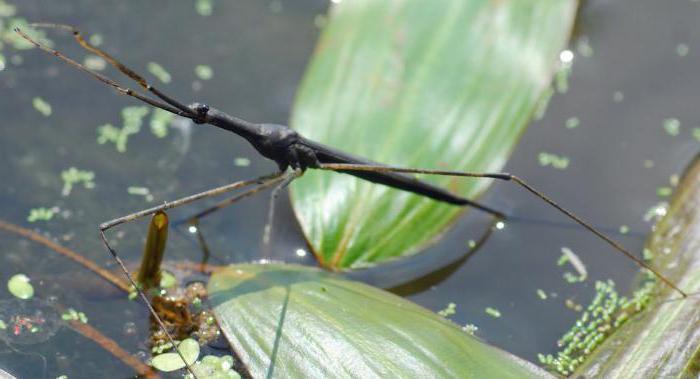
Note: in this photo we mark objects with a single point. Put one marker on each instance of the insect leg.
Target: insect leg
(168, 205)
(288, 178)
(522, 183)
(193, 220)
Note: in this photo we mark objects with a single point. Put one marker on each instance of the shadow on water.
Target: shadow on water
(630, 108)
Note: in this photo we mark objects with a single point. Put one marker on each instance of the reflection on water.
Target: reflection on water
(627, 80)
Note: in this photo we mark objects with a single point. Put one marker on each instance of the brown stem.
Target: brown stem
(111, 346)
(66, 252)
(86, 330)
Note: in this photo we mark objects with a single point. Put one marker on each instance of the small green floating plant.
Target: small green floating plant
(73, 176)
(605, 314)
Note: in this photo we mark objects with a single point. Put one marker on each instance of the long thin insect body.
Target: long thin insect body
(288, 149)
(276, 142)
(329, 155)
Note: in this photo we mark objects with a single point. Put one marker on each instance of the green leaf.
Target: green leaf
(663, 341)
(292, 321)
(168, 362)
(444, 84)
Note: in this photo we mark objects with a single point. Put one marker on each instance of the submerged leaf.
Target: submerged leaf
(443, 84)
(295, 321)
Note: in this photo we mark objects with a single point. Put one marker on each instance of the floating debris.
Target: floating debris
(553, 160)
(42, 106)
(73, 176)
(160, 121)
(204, 72)
(493, 312)
(20, 287)
(28, 322)
(618, 96)
(211, 366)
(133, 119)
(470, 329)
(541, 294)
(96, 39)
(140, 191)
(664, 191)
(574, 306)
(2, 62)
(605, 314)
(682, 49)
(41, 214)
(672, 126)
(569, 256)
(159, 349)
(95, 63)
(583, 47)
(204, 7)
(656, 212)
(73, 315)
(159, 72)
(674, 179)
(696, 134)
(624, 229)
(449, 310)
(573, 123)
(241, 162)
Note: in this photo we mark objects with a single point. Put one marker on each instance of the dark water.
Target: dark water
(619, 155)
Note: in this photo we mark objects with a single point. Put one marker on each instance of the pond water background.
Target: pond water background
(640, 72)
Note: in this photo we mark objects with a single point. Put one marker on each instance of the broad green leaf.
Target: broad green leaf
(663, 341)
(292, 321)
(444, 84)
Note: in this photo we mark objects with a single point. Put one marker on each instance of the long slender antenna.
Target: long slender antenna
(511, 178)
(114, 62)
(167, 105)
